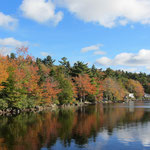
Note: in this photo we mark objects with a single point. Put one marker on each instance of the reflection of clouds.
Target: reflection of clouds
(125, 136)
(101, 141)
(137, 133)
(104, 135)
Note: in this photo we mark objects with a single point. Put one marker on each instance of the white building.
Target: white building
(147, 95)
(131, 95)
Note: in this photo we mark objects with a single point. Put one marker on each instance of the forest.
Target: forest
(26, 82)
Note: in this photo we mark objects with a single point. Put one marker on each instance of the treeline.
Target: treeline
(26, 82)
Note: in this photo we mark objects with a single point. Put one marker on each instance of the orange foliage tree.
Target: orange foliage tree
(50, 90)
(84, 86)
(113, 90)
(3, 71)
(26, 74)
(136, 88)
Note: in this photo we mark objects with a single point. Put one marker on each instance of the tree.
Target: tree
(93, 71)
(109, 72)
(67, 94)
(50, 91)
(3, 71)
(22, 87)
(136, 88)
(79, 68)
(84, 86)
(66, 68)
(98, 93)
(12, 56)
(48, 61)
(113, 90)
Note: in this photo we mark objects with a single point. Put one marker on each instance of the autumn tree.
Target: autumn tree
(136, 88)
(22, 87)
(50, 91)
(84, 86)
(113, 90)
(3, 71)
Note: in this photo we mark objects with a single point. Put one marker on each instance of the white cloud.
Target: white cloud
(130, 69)
(5, 51)
(11, 42)
(41, 11)
(104, 61)
(141, 59)
(8, 44)
(148, 67)
(95, 48)
(7, 21)
(99, 53)
(44, 54)
(109, 13)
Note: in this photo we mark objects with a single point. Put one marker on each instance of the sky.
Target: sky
(107, 33)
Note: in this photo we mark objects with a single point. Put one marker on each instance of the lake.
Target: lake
(95, 127)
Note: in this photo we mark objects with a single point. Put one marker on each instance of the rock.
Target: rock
(38, 108)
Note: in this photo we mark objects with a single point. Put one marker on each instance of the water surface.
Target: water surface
(99, 127)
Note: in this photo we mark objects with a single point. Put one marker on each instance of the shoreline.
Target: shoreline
(16, 111)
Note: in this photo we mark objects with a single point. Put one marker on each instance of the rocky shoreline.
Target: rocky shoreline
(16, 111)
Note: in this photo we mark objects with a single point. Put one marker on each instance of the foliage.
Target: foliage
(113, 90)
(84, 86)
(67, 90)
(26, 82)
(3, 71)
(136, 88)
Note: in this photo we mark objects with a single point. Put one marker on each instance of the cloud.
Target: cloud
(104, 61)
(7, 21)
(148, 67)
(8, 44)
(90, 48)
(141, 59)
(44, 54)
(11, 42)
(130, 69)
(41, 11)
(109, 13)
(95, 48)
(5, 51)
(99, 53)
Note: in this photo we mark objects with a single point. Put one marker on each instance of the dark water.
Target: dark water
(101, 127)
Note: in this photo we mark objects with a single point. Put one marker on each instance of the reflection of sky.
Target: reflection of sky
(139, 133)
(126, 138)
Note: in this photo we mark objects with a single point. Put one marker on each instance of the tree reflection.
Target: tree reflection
(33, 131)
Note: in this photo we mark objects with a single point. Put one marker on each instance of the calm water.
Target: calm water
(101, 127)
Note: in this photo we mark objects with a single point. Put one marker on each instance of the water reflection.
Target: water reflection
(117, 126)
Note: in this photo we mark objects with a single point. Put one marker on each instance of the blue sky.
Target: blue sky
(107, 33)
